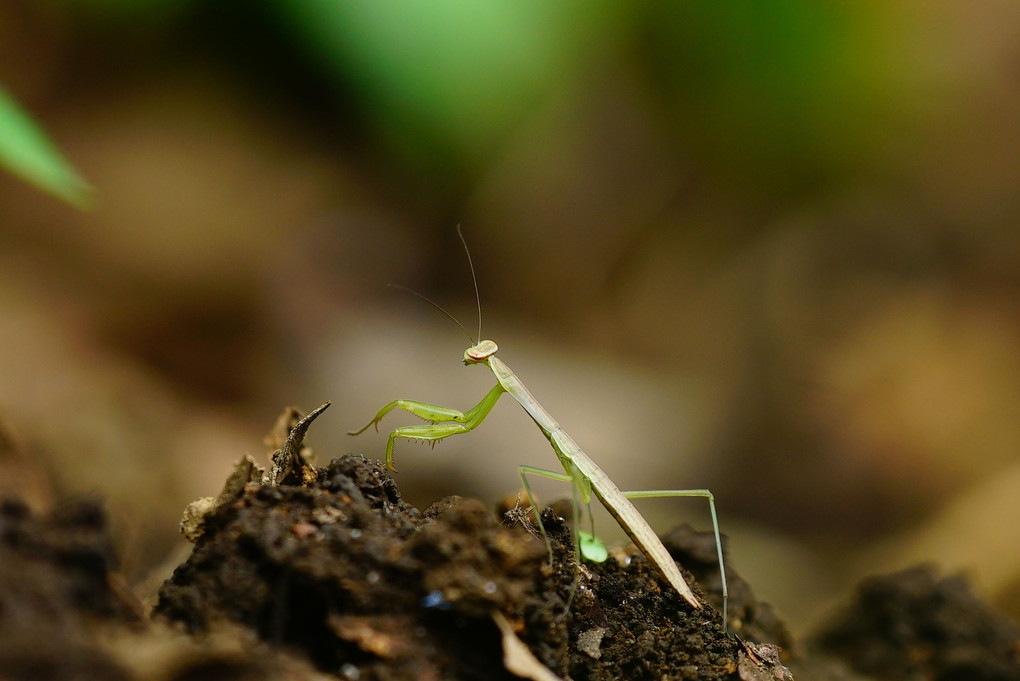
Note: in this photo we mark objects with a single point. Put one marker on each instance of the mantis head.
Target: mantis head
(477, 354)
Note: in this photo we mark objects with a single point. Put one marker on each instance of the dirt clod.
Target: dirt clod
(916, 624)
(344, 571)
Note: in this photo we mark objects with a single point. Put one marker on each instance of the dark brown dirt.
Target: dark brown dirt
(336, 566)
(54, 586)
(344, 571)
(325, 573)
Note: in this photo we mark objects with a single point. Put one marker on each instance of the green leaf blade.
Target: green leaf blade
(27, 152)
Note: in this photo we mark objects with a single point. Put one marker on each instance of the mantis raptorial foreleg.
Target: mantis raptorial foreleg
(444, 422)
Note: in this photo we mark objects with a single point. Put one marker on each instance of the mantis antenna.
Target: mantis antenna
(478, 297)
(474, 280)
(435, 305)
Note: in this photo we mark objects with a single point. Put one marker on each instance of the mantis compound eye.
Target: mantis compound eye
(480, 352)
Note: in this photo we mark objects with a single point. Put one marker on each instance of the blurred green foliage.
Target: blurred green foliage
(766, 101)
(447, 78)
(765, 98)
(782, 97)
(27, 152)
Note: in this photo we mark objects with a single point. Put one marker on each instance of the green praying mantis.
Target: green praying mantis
(584, 475)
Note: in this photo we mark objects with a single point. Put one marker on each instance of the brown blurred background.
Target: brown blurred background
(766, 248)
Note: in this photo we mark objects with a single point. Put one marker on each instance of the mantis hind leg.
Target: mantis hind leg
(704, 494)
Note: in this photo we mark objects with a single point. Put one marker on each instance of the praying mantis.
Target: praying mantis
(585, 476)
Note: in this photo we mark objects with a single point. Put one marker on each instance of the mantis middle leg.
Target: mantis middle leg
(585, 543)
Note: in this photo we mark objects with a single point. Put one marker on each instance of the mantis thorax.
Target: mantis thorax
(481, 352)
